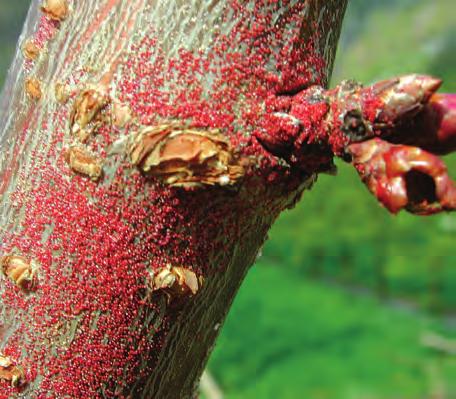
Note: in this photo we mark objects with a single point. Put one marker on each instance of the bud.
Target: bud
(444, 109)
(402, 97)
(176, 281)
(121, 114)
(62, 92)
(404, 177)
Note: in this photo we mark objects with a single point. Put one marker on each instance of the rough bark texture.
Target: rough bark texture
(100, 310)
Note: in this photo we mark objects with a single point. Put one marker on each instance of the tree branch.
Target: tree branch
(134, 194)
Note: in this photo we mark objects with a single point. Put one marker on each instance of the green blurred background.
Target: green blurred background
(346, 302)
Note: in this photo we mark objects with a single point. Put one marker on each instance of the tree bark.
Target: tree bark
(135, 196)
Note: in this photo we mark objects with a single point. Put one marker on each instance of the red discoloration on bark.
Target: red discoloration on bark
(47, 28)
(95, 265)
(242, 80)
(103, 240)
(7, 173)
(101, 16)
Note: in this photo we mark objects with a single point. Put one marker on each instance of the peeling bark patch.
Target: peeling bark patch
(30, 50)
(9, 371)
(56, 10)
(62, 92)
(33, 88)
(86, 112)
(20, 271)
(185, 157)
(121, 114)
(176, 281)
(81, 161)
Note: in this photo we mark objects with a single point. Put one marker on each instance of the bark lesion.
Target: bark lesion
(182, 156)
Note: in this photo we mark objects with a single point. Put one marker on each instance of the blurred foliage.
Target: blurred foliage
(289, 338)
(12, 16)
(336, 307)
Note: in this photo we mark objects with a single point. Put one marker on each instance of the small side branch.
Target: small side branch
(392, 133)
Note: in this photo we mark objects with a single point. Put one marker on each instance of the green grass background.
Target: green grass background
(338, 303)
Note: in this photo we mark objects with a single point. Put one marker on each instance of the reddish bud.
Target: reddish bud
(404, 96)
(404, 177)
(433, 129)
(444, 109)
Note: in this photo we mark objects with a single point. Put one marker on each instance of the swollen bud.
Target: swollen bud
(444, 109)
(404, 177)
(403, 97)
